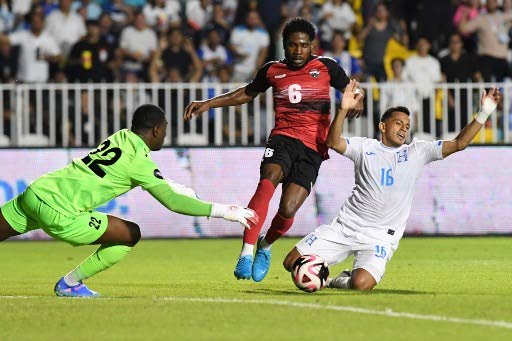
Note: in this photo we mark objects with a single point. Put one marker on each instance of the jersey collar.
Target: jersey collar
(140, 141)
(385, 148)
(285, 61)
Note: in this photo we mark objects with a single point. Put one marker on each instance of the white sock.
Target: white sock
(72, 279)
(247, 250)
(340, 283)
(263, 244)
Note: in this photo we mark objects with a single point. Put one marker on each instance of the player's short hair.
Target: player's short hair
(146, 117)
(387, 114)
(298, 24)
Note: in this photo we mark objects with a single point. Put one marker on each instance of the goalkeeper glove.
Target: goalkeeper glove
(234, 213)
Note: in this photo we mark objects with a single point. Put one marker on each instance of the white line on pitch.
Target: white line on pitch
(387, 312)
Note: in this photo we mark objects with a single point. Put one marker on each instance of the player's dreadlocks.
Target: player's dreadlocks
(387, 113)
(298, 24)
(147, 116)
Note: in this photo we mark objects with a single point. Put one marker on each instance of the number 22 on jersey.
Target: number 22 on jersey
(94, 165)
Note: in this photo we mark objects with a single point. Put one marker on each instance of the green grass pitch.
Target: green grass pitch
(434, 289)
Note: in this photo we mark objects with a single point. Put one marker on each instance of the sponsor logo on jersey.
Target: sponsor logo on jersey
(280, 76)
(157, 174)
(314, 73)
(370, 153)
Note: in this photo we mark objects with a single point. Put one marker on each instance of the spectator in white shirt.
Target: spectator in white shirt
(137, 45)
(250, 44)
(392, 95)
(37, 50)
(337, 15)
(160, 14)
(65, 26)
(20, 9)
(198, 13)
(213, 55)
(424, 70)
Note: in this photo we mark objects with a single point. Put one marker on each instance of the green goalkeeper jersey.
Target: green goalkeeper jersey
(120, 163)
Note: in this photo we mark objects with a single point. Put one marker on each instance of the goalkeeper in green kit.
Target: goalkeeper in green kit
(62, 203)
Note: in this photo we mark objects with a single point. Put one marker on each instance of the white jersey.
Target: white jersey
(33, 66)
(385, 178)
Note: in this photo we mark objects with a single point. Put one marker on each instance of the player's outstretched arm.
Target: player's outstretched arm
(184, 200)
(238, 96)
(349, 102)
(488, 104)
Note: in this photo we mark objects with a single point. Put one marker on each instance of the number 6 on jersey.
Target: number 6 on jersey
(294, 93)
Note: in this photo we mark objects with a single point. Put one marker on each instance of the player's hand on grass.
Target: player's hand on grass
(352, 99)
(235, 213)
(195, 108)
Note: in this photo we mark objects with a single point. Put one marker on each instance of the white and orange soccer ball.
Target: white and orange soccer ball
(310, 273)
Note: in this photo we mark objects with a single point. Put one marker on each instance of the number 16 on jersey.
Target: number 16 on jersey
(386, 178)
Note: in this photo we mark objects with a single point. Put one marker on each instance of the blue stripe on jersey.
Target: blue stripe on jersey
(439, 142)
(348, 141)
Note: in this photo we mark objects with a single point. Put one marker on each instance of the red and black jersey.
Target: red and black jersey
(302, 98)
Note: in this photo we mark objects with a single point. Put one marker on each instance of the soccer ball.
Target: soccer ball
(309, 273)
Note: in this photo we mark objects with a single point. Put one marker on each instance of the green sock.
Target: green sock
(102, 259)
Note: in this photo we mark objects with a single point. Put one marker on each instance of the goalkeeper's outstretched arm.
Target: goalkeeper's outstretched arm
(488, 104)
(184, 200)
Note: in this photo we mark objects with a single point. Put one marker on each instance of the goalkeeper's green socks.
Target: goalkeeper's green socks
(102, 259)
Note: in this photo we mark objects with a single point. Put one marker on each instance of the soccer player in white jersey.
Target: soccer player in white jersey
(373, 219)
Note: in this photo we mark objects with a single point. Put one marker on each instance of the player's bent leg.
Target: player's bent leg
(116, 242)
(290, 259)
(120, 231)
(292, 199)
(362, 280)
(370, 266)
(15, 219)
(6, 231)
(270, 176)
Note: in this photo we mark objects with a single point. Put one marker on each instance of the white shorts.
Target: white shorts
(334, 246)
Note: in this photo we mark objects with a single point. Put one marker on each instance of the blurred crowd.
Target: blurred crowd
(228, 40)
(221, 41)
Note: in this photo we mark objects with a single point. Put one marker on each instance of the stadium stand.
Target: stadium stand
(73, 70)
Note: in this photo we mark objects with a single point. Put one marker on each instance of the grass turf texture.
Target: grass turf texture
(146, 295)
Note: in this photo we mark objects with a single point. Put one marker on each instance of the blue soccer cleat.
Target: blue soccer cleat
(261, 264)
(63, 290)
(243, 267)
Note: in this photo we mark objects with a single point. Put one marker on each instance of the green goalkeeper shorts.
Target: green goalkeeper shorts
(27, 212)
